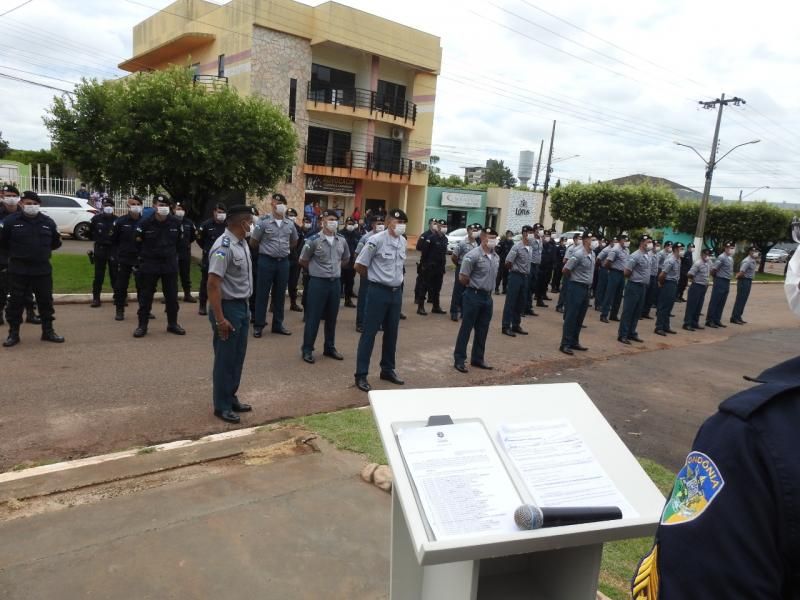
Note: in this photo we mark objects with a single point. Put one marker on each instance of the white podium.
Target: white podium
(558, 563)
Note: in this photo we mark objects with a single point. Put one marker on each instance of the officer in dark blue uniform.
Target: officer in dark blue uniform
(503, 248)
(189, 235)
(101, 231)
(561, 249)
(207, 233)
(294, 264)
(351, 235)
(550, 258)
(124, 247)
(432, 246)
(29, 237)
(9, 204)
(159, 239)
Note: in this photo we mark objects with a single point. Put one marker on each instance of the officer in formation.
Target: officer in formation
(653, 250)
(101, 231)
(323, 256)
(744, 280)
(637, 271)
(459, 252)
(722, 270)
(536, 243)
(503, 248)
(432, 246)
(615, 262)
(230, 285)
(207, 233)
(580, 269)
(602, 275)
(477, 274)
(698, 283)
(159, 239)
(382, 262)
(518, 265)
(309, 228)
(576, 241)
(28, 237)
(378, 226)
(189, 236)
(555, 284)
(126, 250)
(351, 235)
(668, 282)
(549, 261)
(294, 263)
(9, 204)
(275, 237)
(686, 264)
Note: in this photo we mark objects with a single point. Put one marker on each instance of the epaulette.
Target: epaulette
(312, 237)
(226, 241)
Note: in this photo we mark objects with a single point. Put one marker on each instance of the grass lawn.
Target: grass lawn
(768, 277)
(355, 430)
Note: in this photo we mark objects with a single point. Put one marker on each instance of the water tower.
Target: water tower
(525, 170)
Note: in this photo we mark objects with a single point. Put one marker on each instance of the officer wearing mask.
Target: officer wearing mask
(722, 271)
(478, 273)
(9, 204)
(536, 260)
(101, 230)
(230, 285)
(744, 279)
(294, 263)
(503, 248)
(459, 252)
(382, 262)
(432, 246)
(668, 282)
(549, 260)
(637, 271)
(28, 238)
(576, 243)
(653, 248)
(686, 264)
(159, 240)
(126, 251)
(352, 236)
(601, 274)
(698, 282)
(555, 285)
(189, 236)
(518, 265)
(324, 254)
(207, 233)
(615, 262)
(580, 269)
(378, 226)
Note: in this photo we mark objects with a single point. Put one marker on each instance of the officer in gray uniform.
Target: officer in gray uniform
(602, 276)
(668, 282)
(615, 263)
(722, 271)
(323, 255)
(562, 298)
(478, 274)
(518, 261)
(536, 244)
(580, 268)
(459, 252)
(363, 283)
(653, 250)
(744, 279)
(382, 262)
(637, 270)
(230, 285)
(698, 282)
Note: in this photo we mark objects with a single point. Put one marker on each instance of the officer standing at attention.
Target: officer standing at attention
(580, 269)
(503, 248)
(615, 262)
(459, 252)
(363, 282)
(9, 204)
(274, 237)
(637, 270)
(159, 240)
(668, 282)
(722, 271)
(29, 238)
(432, 246)
(549, 260)
(230, 285)
(536, 260)
(382, 262)
(744, 279)
(518, 265)
(101, 230)
(323, 255)
(576, 243)
(686, 264)
(653, 249)
(698, 282)
(555, 285)
(602, 275)
(207, 234)
(351, 235)
(294, 263)
(126, 250)
(189, 236)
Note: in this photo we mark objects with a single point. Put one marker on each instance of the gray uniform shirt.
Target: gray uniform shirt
(672, 268)
(724, 266)
(570, 251)
(536, 250)
(325, 258)
(520, 258)
(581, 266)
(618, 257)
(229, 258)
(480, 268)
(653, 256)
(273, 239)
(662, 256)
(748, 267)
(699, 272)
(463, 248)
(604, 254)
(384, 256)
(639, 265)
(364, 239)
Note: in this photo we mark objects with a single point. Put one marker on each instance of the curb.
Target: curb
(87, 298)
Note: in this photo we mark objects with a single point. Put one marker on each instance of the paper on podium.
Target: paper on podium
(558, 467)
(461, 483)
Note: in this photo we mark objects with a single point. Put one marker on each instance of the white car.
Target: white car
(454, 238)
(777, 255)
(72, 215)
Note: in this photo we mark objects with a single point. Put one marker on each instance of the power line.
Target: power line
(8, 12)
(20, 79)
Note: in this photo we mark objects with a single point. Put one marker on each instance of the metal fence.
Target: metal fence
(47, 185)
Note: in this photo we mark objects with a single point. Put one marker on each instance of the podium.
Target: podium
(558, 563)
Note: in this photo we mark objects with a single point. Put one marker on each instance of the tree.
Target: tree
(453, 181)
(38, 157)
(157, 130)
(610, 210)
(4, 147)
(499, 174)
(434, 178)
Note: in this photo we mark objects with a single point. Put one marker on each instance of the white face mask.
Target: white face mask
(443, 229)
(681, 253)
(475, 235)
(730, 251)
(135, 209)
(380, 227)
(331, 225)
(306, 226)
(31, 209)
(351, 228)
(162, 210)
(649, 247)
(594, 244)
(547, 238)
(400, 228)
(434, 227)
(292, 219)
(11, 201)
(180, 213)
(491, 243)
(220, 217)
(108, 210)
(626, 244)
(280, 209)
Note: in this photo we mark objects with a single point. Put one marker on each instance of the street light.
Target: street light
(763, 187)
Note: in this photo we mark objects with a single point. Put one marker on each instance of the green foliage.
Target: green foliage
(351, 429)
(158, 130)
(453, 181)
(40, 157)
(498, 174)
(434, 177)
(4, 147)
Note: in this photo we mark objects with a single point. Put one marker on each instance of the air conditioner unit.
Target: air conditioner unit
(397, 133)
(421, 166)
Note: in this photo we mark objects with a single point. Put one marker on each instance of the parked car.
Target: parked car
(454, 238)
(72, 215)
(567, 235)
(777, 255)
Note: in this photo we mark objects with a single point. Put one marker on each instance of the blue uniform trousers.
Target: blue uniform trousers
(323, 303)
(742, 294)
(652, 295)
(666, 300)
(455, 299)
(361, 308)
(613, 295)
(477, 306)
(600, 291)
(576, 305)
(694, 304)
(562, 296)
(632, 309)
(383, 309)
(515, 300)
(229, 354)
(532, 280)
(719, 295)
(273, 274)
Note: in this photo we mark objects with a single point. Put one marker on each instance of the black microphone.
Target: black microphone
(530, 516)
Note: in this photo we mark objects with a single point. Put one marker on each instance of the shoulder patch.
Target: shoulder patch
(226, 241)
(219, 253)
(698, 483)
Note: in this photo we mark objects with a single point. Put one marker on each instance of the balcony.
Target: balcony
(356, 164)
(210, 82)
(365, 104)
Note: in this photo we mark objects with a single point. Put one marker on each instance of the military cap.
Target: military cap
(526, 228)
(181, 203)
(108, 202)
(679, 245)
(220, 206)
(240, 209)
(329, 212)
(162, 199)
(490, 231)
(538, 226)
(587, 234)
(306, 219)
(476, 227)
(432, 220)
(705, 251)
(691, 245)
(730, 245)
(350, 221)
(751, 248)
(622, 237)
(668, 243)
(577, 235)
(442, 222)
(644, 238)
(396, 213)
(378, 218)
(290, 212)
(29, 195)
(134, 197)
(279, 198)
(547, 232)
(10, 189)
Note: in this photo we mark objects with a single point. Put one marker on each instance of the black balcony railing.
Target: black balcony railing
(210, 81)
(321, 156)
(361, 98)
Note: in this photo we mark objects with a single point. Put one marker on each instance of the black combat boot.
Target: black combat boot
(31, 316)
(141, 330)
(13, 336)
(49, 335)
(95, 301)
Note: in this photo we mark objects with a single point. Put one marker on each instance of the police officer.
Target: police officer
(207, 233)
(744, 279)
(668, 282)
(126, 250)
(323, 255)
(698, 282)
(580, 269)
(601, 274)
(549, 260)
(615, 263)
(159, 239)
(275, 237)
(230, 285)
(637, 271)
(518, 265)
(294, 262)
(651, 297)
(351, 235)
(363, 282)
(535, 242)
(432, 246)
(101, 231)
(503, 248)
(555, 283)
(309, 229)
(459, 252)
(9, 204)
(686, 264)
(189, 236)
(29, 237)
(382, 262)
(576, 243)
(722, 270)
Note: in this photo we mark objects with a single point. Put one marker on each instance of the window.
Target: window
(292, 98)
(221, 65)
(386, 153)
(58, 202)
(332, 85)
(391, 98)
(328, 147)
(195, 69)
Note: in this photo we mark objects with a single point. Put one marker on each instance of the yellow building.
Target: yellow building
(360, 89)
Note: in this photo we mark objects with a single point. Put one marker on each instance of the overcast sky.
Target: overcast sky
(622, 79)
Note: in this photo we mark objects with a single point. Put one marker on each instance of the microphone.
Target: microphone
(530, 516)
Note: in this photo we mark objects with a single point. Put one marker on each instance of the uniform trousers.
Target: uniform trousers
(229, 354)
(542, 280)
(477, 315)
(203, 299)
(532, 280)
(502, 276)
(694, 304)
(455, 298)
(719, 295)
(632, 309)
(323, 303)
(121, 282)
(185, 270)
(5, 290)
(103, 261)
(666, 300)
(20, 289)
(294, 279)
(516, 296)
(600, 291)
(361, 308)
(575, 305)
(555, 284)
(613, 295)
(169, 285)
(273, 275)
(651, 296)
(348, 282)
(742, 294)
(383, 309)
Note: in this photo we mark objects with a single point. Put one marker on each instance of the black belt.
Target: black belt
(387, 287)
(637, 282)
(586, 285)
(518, 273)
(325, 278)
(273, 257)
(235, 299)
(477, 291)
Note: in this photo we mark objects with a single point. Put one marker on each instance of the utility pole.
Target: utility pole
(538, 166)
(547, 173)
